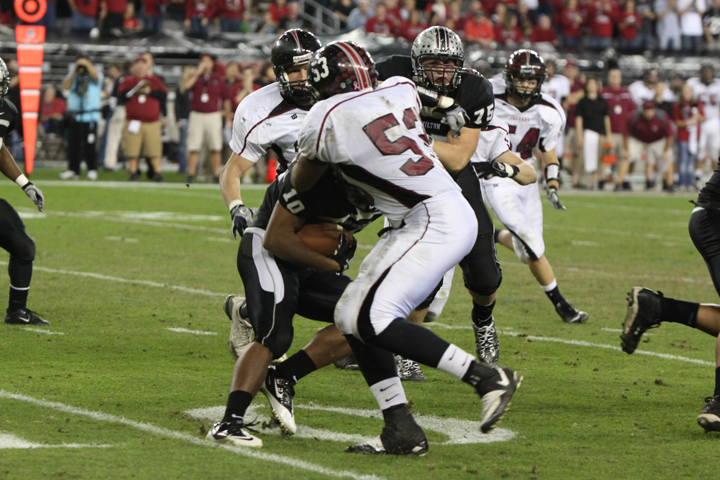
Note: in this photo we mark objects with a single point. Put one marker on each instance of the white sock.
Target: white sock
(551, 287)
(455, 361)
(389, 392)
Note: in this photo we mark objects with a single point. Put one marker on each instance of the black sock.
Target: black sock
(18, 299)
(412, 341)
(478, 371)
(678, 311)
(557, 299)
(295, 367)
(496, 235)
(717, 382)
(238, 402)
(482, 314)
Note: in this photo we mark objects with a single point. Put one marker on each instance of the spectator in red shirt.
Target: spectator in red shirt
(130, 23)
(393, 14)
(153, 14)
(480, 29)
(83, 19)
(688, 116)
(198, 15)
(230, 13)
(601, 19)
(571, 21)
(413, 26)
(380, 23)
(652, 133)
(544, 32)
(144, 94)
(209, 104)
(242, 88)
(52, 110)
(455, 14)
(507, 33)
(112, 16)
(622, 107)
(629, 23)
(279, 10)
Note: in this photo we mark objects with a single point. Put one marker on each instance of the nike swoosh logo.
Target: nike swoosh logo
(383, 389)
(388, 399)
(26, 320)
(452, 356)
(504, 382)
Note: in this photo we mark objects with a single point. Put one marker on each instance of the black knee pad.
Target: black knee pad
(481, 270)
(278, 342)
(23, 248)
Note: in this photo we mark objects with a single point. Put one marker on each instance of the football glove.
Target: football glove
(35, 195)
(488, 170)
(241, 217)
(344, 253)
(552, 196)
(456, 118)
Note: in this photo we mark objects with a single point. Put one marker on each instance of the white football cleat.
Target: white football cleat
(233, 433)
(241, 332)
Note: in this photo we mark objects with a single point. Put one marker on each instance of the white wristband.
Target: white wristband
(22, 180)
(234, 204)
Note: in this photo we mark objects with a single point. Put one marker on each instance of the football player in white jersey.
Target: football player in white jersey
(707, 90)
(535, 121)
(374, 137)
(646, 89)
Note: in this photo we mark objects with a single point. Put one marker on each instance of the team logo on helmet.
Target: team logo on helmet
(341, 67)
(525, 64)
(293, 48)
(437, 43)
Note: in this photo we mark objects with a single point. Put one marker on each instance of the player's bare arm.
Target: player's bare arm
(526, 173)
(550, 159)
(456, 152)
(306, 174)
(281, 240)
(230, 179)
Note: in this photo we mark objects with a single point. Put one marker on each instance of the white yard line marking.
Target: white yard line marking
(122, 239)
(164, 432)
(31, 215)
(194, 332)
(40, 330)
(125, 280)
(8, 441)
(581, 243)
(619, 330)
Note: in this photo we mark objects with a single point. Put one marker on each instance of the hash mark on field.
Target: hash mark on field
(40, 330)
(194, 332)
(121, 239)
(581, 243)
(164, 432)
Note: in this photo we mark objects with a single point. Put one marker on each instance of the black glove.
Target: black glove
(344, 253)
(241, 217)
(456, 118)
(35, 195)
(552, 196)
(488, 170)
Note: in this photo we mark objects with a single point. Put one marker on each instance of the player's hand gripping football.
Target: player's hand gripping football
(488, 170)
(456, 118)
(241, 217)
(344, 253)
(552, 196)
(35, 195)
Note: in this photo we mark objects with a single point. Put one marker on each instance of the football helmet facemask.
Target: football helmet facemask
(525, 64)
(341, 67)
(444, 45)
(293, 48)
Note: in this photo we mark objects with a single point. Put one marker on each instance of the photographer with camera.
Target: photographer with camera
(84, 87)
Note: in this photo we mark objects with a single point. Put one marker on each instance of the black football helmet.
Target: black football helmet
(437, 43)
(525, 64)
(341, 67)
(294, 47)
(4, 81)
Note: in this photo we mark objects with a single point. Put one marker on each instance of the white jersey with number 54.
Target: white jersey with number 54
(377, 141)
(538, 126)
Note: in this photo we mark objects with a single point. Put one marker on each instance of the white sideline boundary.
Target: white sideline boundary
(164, 432)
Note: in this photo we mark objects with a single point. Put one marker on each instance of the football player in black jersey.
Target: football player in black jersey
(13, 237)
(436, 67)
(647, 309)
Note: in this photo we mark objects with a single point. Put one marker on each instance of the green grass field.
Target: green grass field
(110, 392)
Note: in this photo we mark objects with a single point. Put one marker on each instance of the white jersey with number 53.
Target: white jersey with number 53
(377, 141)
(538, 126)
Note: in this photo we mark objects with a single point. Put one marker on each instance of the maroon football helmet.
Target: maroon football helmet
(341, 67)
(525, 64)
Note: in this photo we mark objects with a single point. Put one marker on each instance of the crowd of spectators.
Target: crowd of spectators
(630, 25)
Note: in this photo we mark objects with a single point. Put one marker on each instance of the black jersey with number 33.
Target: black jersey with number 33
(8, 115)
(474, 94)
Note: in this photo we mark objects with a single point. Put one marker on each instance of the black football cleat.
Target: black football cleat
(25, 316)
(570, 314)
(709, 418)
(496, 392)
(233, 433)
(400, 436)
(409, 370)
(643, 313)
(487, 345)
(347, 363)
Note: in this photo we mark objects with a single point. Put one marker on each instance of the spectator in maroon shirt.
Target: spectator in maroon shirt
(144, 94)
(629, 23)
(601, 19)
(507, 33)
(380, 23)
(622, 107)
(455, 14)
(230, 13)
(198, 15)
(571, 21)
(153, 14)
(209, 105)
(688, 116)
(651, 132)
(544, 32)
(278, 9)
(480, 29)
(52, 110)
(112, 15)
(84, 13)
(244, 86)
(130, 22)
(413, 26)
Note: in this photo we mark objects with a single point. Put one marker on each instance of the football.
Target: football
(323, 237)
